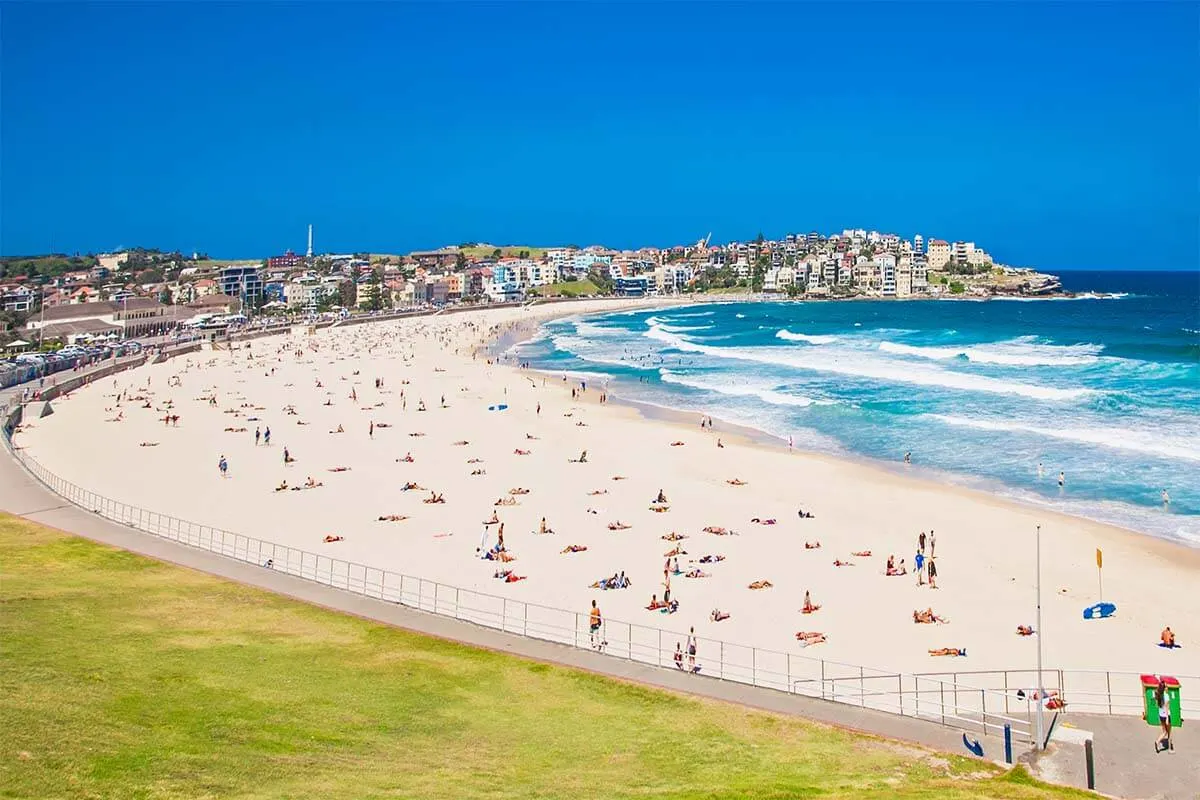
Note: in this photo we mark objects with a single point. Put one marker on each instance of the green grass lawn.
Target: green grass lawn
(122, 677)
(507, 251)
(567, 288)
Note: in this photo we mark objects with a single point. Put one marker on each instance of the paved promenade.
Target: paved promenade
(1126, 764)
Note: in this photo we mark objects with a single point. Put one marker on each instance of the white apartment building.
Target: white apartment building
(962, 252)
(887, 273)
(938, 255)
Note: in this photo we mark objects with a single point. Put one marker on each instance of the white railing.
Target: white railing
(979, 710)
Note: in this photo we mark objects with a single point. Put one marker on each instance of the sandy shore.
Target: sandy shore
(304, 387)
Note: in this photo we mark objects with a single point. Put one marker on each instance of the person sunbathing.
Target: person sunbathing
(433, 498)
(927, 617)
(618, 526)
(770, 521)
(392, 518)
(519, 452)
(655, 603)
(461, 443)
(662, 498)
(339, 469)
(506, 501)
(283, 487)
(410, 486)
(716, 530)
(335, 538)
(312, 484)
(676, 444)
(718, 615)
(595, 492)
(543, 527)
(1167, 638)
(382, 424)
(761, 585)
(148, 444)
(495, 520)
(531, 437)
(675, 551)
(809, 606)
(862, 553)
(711, 559)
(408, 459)
(519, 490)
(802, 514)
(736, 482)
(668, 607)
(474, 460)
(581, 460)
(891, 569)
(574, 548)
(1024, 630)
(479, 472)
(810, 637)
(673, 536)
(416, 434)
(620, 478)
(812, 545)
(696, 572)
(837, 562)
(949, 651)
(581, 424)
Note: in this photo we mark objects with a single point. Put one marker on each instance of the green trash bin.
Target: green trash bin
(1150, 705)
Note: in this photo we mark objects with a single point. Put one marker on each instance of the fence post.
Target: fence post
(822, 679)
(862, 689)
(942, 685)
(754, 666)
(722, 656)
(503, 611)
(983, 706)
(1107, 690)
(525, 619)
(900, 692)
(1089, 764)
(659, 659)
(789, 673)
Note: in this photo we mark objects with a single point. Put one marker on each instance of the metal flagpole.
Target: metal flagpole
(1041, 689)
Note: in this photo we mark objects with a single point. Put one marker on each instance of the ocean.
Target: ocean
(1104, 388)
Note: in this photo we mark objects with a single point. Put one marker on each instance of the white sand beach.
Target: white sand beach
(303, 387)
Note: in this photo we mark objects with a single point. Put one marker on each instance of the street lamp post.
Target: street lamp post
(1041, 689)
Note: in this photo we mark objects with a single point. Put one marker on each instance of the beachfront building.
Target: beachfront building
(938, 255)
(244, 282)
(635, 286)
(17, 298)
(136, 316)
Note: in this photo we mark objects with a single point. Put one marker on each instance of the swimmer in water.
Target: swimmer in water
(1166, 498)
(1041, 470)
(1062, 479)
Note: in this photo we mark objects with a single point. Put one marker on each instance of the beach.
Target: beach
(481, 433)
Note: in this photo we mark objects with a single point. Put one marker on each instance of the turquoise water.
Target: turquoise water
(1105, 389)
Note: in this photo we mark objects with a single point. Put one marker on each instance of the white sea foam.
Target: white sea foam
(740, 389)
(1022, 352)
(597, 353)
(864, 365)
(788, 336)
(1174, 444)
(743, 316)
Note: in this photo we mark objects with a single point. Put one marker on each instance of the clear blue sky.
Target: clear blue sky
(1062, 136)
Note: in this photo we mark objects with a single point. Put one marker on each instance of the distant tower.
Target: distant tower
(310, 241)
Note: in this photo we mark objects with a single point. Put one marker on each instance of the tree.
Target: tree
(347, 294)
(497, 253)
(956, 287)
(460, 261)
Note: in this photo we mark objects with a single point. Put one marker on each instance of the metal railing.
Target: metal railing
(976, 709)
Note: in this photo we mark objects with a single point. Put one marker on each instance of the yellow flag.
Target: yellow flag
(1099, 559)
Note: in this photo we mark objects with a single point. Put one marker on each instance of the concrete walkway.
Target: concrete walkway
(23, 496)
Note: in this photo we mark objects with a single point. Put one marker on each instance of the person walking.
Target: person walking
(267, 436)
(919, 563)
(932, 574)
(594, 623)
(1164, 718)
(223, 465)
(257, 436)
(691, 649)
(932, 543)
